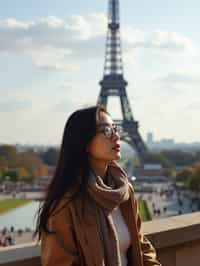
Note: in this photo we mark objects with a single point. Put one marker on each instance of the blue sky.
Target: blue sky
(52, 55)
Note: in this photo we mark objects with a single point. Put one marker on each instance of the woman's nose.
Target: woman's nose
(115, 136)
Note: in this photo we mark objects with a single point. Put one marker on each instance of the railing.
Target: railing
(176, 239)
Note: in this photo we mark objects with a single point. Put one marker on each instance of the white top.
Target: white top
(123, 234)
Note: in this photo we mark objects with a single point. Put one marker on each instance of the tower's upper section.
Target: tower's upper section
(113, 14)
(113, 60)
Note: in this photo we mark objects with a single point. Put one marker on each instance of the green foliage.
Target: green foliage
(33, 164)
(16, 174)
(194, 183)
(3, 162)
(178, 157)
(197, 156)
(20, 165)
(12, 173)
(172, 158)
(144, 211)
(155, 158)
(184, 174)
(190, 176)
(8, 156)
(8, 204)
(23, 173)
(50, 156)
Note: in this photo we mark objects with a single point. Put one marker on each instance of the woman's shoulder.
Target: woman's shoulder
(64, 203)
(64, 210)
(60, 212)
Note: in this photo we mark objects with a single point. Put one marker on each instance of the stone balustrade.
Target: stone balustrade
(176, 239)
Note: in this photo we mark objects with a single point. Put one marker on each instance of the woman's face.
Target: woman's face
(103, 147)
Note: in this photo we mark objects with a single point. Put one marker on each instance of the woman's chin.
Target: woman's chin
(117, 156)
(114, 156)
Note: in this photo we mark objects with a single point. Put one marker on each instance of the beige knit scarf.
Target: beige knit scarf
(107, 197)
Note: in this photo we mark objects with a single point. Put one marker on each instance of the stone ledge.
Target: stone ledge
(163, 233)
(172, 231)
(19, 252)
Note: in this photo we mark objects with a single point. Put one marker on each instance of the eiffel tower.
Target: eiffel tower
(113, 83)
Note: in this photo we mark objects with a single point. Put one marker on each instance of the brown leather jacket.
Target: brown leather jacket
(77, 243)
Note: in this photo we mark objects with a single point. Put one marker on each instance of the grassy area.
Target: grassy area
(9, 204)
(144, 212)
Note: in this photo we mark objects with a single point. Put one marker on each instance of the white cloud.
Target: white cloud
(182, 84)
(53, 41)
(183, 78)
(50, 41)
(157, 40)
(50, 32)
(68, 44)
(170, 41)
(12, 24)
(52, 59)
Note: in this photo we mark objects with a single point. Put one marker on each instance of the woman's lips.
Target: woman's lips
(117, 147)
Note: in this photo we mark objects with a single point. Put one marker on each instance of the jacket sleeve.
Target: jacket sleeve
(148, 251)
(60, 248)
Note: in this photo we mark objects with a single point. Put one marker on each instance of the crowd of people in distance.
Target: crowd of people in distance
(7, 237)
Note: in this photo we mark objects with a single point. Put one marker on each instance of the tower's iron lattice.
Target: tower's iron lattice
(114, 84)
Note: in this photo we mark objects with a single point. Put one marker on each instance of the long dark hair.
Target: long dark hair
(72, 163)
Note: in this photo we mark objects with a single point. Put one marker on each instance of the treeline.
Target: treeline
(27, 164)
(190, 176)
(188, 164)
(173, 158)
(30, 164)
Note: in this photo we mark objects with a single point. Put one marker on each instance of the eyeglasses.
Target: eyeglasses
(108, 130)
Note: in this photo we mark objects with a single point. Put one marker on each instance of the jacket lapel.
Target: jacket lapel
(129, 214)
(91, 240)
(94, 245)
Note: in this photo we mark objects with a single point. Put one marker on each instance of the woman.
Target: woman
(89, 216)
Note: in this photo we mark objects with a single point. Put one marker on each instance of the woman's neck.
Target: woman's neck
(99, 168)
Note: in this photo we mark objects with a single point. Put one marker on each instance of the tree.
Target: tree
(50, 156)
(9, 153)
(197, 155)
(3, 164)
(190, 176)
(197, 168)
(184, 175)
(157, 158)
(195, 180)
(178, 157)
(33, 164)
(194, 183)
(23, 173)
(13, 174)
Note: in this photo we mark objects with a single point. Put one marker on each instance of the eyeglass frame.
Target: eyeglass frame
(114, 129)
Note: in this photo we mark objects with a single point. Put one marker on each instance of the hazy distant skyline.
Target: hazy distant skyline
(52, 57)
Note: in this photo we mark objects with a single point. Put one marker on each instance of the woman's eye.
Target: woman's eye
(107, 129)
